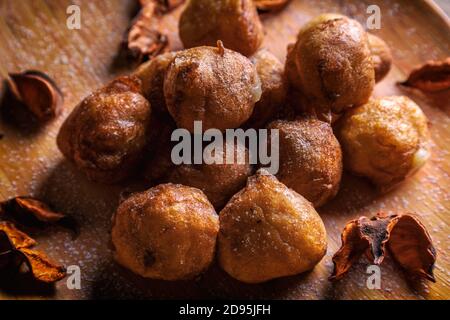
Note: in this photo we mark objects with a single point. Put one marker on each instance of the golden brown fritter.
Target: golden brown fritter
(333, 63)
(385, 140)
(381, 56)
(168, 232)
(152, 75)
(268, 231)
(291, 72)
(310, 158)
(273, 86)
(106, 134)
(218, 181)
(235, 22)
(215, 85)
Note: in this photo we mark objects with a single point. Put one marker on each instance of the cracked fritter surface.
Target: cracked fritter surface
(235, 22)
(385, 140)
(106, 134)
(268, 231)
(168, 232)
(214, 85)
(310, 158)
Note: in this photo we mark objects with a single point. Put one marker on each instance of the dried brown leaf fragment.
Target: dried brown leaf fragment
(15, 249)
(433, 76)
(38, 92)
(403, 236)
(145, 37)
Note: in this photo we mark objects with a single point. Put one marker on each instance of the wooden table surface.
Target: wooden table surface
(33, 35)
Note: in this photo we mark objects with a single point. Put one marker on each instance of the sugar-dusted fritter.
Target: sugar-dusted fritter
(167, 232)
(235, 22)
(386, 140)
(331, 64)
(211, 84)
(268, 231)
(310, 158)
(106, 134)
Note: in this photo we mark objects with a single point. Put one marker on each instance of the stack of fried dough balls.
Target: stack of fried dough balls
(267, 226)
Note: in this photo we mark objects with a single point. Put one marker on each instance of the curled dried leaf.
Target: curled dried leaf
(29, 209)
(6, 250)
(146, 37)
(433, 76)
(15, 250)
(18, 238)
(270, 5)
(403, 236)
(38, 92)
(42, 268)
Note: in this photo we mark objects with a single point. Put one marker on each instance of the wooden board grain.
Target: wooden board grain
(33, 35)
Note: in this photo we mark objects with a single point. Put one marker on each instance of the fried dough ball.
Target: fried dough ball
(218, 181)
(268, 231)
(214, 85)
(385, 140)
(235, 22)
(381, 56)
(273, 86)
(332, 64)
(290, 68)
(152, 75)
(167, 232)
(310, 158)
(106, 134)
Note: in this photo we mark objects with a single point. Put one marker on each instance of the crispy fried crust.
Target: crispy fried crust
(105, 135)
(268, 231)
(168, 232)
(333, 63)
(310, 158)
(385, 140)
(235, 22)
(215, 85)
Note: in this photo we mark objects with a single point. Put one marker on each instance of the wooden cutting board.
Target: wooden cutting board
(33, 35)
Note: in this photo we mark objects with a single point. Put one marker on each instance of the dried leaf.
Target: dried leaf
(18, 239)
(6, 250)
(42, 268)
(433, 76)
(15, 250)
(33, 212)
(146, 38)
(270, 5)
(38, 92)
(411, 246)
(353, 246)
(404, 236)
